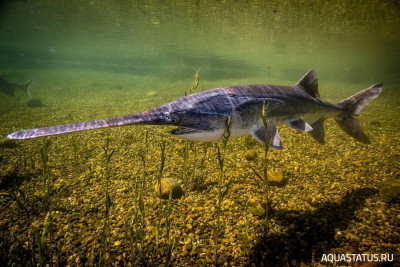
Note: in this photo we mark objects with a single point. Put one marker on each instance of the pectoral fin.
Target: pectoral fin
(318, 132)
(272, 134)
(300, 125)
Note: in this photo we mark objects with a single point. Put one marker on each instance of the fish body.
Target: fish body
(203, 116)
(10, 88)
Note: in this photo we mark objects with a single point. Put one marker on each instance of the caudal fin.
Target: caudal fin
(352, 107)
(27, 85)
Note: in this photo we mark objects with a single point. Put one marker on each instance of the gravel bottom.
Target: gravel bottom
(329, 202)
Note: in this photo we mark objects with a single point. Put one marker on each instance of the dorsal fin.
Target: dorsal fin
(310, 82)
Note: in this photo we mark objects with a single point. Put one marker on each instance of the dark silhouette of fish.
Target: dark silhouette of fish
(202, 116)
(10, 88)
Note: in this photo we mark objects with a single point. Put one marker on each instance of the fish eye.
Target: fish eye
(171, 117)
(174, 118)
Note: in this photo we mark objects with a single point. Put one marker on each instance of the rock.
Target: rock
(169, 185)
(275, 178)
(257, 209)
(250, 155)
(390, 190)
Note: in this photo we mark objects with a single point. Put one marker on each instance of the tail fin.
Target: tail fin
(27, 85)
(352, 107)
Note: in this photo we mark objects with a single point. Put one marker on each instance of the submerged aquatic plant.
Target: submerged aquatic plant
(75, 150)
(44, 252)
(165, 207)
(135, 229)
(185, 169)
(199, 178)
(105, 243)
(185, 149)
(46, 179)
(267, 141)
(25, 204)
(195, 83)
(44, 153)
(162, 165)
(170, 245)
(245, 244)
(164, 213)
(160, 204)
(264, 177)
(223, 186)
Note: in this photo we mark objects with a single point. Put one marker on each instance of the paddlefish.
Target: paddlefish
(10, 88)
(202, 116)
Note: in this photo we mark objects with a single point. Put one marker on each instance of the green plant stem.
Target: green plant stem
(185, 153)
(223, 187)
(108, 153)
(267, 141)
(160, 204)
(44, 153)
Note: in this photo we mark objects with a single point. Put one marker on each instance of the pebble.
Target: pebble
(250, 155)
(275, 178)
(169, 186)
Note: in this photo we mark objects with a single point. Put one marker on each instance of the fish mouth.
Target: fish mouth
(200, 135)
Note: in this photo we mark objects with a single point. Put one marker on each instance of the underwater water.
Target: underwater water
(91, 198)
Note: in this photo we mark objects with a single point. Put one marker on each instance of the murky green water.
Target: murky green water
(347, 41)
(97, 59)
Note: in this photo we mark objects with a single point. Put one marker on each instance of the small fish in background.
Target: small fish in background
(202, 116)
(9, 88)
